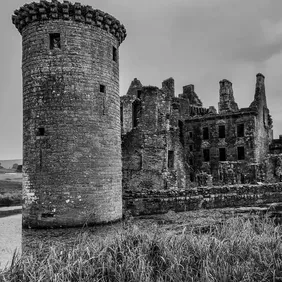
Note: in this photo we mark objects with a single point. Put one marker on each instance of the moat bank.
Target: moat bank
(170, 223)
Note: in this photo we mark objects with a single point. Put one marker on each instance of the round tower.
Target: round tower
(71, 109)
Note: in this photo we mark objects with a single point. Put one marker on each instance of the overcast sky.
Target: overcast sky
(194, 41)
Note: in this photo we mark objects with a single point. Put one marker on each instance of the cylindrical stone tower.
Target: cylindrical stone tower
(71, 109)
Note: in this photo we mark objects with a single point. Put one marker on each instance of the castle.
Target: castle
(84, 146)
(170, 141)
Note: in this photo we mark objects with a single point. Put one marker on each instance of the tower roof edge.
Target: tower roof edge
(55, 10)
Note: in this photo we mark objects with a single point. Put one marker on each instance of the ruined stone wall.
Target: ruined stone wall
(276, 146)
(197, 143)
(226, 99)
(134, 93)
(263, 127)
(71, 115)
(152, 154)
(154, 202)
(272, 167)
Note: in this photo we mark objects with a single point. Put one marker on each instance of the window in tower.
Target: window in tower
(114, 54)
(55, 41)
(40, 131)
(102, 88)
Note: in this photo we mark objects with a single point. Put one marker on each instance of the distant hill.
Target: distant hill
(9, 163)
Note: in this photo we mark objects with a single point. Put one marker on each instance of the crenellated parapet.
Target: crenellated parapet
(56, 10)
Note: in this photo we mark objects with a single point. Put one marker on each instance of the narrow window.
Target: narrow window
(205, 133)
(139, 94)
(190, 134)
(40, 131)
(102, 88)
(114, 54)
(222, 154)
(240, 130)
(241, 153)
(181, 135)
(136, 113)
(170, 161)
(191, 148)
(221, 131)
(206, 153)
(55, 41)
(46, 215)
(192, 177)
(121, 115)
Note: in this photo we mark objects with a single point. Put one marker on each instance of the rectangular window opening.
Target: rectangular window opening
(221, 131)
(47, 215)
(240, 130)
(191, 147)
(181, 134)
(170, 162)
(121, 115)
(40, 131)
(241, 153)
(222, 154)
(102, 88)
(205, 133)
(114, 54)
(190, 134)
(139, 94)
(55, 41)
(192, 178)
(206, 153)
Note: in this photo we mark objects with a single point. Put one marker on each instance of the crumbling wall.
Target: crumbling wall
(126, 105)
(263, 127)
(276, 146)
(272, 166)
(152, 152)
(226, 98)
(197, 145)
(161, 201)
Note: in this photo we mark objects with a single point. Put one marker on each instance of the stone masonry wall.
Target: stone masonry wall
(71, 116)
(154, 202)
(263, 129)
(195, 145)
(152, 153)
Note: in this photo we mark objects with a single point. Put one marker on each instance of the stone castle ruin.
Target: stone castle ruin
(89, 154)
(170, 141)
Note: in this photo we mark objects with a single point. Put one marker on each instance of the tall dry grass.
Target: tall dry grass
(238, 250)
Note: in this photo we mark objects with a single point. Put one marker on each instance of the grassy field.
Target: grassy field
(238, 250)
(10, 189)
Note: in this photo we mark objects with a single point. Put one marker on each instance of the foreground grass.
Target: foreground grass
(239, 250)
